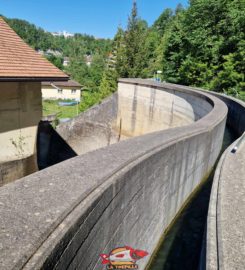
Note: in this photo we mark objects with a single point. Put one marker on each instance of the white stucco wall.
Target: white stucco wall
(49, 92)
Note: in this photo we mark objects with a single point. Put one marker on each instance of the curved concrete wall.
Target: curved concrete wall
(92, 129)
(124, 194)
(136, 109)
(224, 241)
(236, 113)
(144, 108)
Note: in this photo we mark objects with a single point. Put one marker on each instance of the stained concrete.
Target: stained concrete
(92, 129)
(143, 108)
(125, 194)
(224, 241)
(135, 110)
(12, 170)
(231, 211)
(235, 117)
(20, 113)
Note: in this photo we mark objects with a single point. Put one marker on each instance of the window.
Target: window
(60, 91)
(73, 91)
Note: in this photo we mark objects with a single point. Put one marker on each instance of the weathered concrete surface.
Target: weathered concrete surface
(136, 109)
(236, 111)
(20, 113)
(144, 107)
(92, 129)
(15, 169)
(225, 231)
(225, 238)
(125, 194)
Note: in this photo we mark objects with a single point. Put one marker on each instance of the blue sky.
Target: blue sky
(95, 17)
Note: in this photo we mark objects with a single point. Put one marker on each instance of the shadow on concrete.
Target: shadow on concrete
(51, 147)
(182, 244)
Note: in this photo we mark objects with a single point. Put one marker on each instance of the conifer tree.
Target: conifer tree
(115, 66)
(134, 44)
(120, 53)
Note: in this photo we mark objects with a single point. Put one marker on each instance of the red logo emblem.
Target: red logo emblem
(123, 258)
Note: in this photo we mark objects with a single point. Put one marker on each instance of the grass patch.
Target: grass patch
(52, 107)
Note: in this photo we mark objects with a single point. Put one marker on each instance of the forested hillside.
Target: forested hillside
(76, 49)
(39, 39)
(202, 45)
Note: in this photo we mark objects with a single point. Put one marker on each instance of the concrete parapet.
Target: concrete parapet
(145, 107)
(125, 194)
(17, 168)
(235, 117)
(92, 129)
(224, 241)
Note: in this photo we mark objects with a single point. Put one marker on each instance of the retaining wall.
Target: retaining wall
(15, 169)
(125, 194)
(236, 113)
(92, 129)
(20, 112)
(224, 241)
(143, 109)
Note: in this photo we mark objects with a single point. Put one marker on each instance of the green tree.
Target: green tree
(96, 69)
(150, 53)
(57, 61)
(163, 21)
(108, 83)
(134, 38)
(228, 79)
(205, 45)
(119, 51)
(115, 65)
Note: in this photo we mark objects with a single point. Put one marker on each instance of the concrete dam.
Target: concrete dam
(153, 145)
(133, 111)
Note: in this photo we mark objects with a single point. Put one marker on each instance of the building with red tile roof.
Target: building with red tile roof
(20, 62)
(61, 90)
(22, 70)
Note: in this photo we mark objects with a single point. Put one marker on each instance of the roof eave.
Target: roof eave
(32, 79)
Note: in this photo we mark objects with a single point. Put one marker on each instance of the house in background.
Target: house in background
(88, 60)
(66, 61)
(61, 90)
(21, 72)
(63, 34)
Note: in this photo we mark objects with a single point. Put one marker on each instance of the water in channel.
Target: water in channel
(181, 247)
